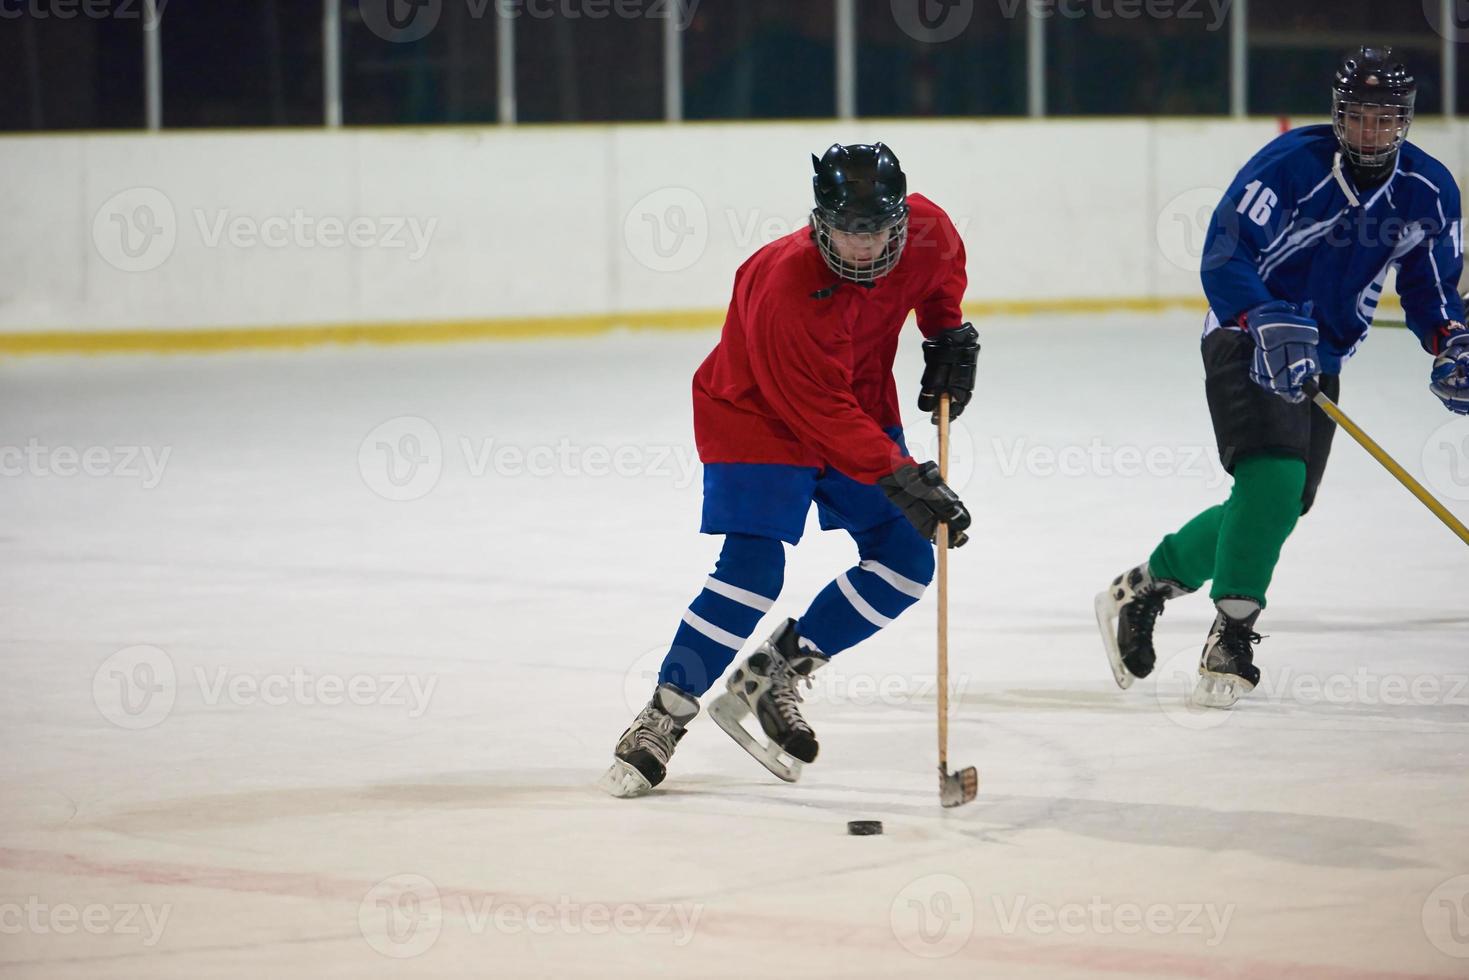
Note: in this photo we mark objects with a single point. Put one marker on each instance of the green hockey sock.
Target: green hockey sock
(1261, 513)
(1237, 543)
(1187, 555)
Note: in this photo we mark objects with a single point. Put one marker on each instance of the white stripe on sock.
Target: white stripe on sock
(904, 585)
(860, 604)
(722, 637)
(744, 597)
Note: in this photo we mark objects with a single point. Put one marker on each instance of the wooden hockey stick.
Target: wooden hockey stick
(955, 788)
(1378, 453)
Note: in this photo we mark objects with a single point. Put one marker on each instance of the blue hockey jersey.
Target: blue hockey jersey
(1293, 226)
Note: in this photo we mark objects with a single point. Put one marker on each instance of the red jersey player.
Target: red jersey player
(797, 404)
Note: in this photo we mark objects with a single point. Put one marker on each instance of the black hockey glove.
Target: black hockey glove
(925, 499)
(948, 368)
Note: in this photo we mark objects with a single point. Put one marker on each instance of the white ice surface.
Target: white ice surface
(1319, 830)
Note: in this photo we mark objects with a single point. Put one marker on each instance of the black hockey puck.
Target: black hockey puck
(864, 828)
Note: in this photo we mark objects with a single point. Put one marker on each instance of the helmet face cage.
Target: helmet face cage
(823, 225)
(1379, 126)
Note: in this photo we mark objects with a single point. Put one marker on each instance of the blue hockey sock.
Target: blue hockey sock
(897, 564)
(744, 586)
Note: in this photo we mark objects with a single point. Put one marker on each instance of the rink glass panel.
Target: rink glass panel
(1111, 66)
(447, 76)
(584, 69)
(261, 68)
(981, 72)
(262, 64)
(1295, 47)
(1462, 76)
(71, 74)
(760, 59)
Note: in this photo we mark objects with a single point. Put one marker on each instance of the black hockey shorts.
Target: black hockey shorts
(1250, 421)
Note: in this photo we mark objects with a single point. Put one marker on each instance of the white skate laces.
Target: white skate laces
(786, 679)
(640, 760)
(785, 693)
(653, 730)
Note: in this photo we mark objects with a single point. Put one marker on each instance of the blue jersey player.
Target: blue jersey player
(1294, 263)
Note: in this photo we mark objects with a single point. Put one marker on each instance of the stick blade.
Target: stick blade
(958, 788)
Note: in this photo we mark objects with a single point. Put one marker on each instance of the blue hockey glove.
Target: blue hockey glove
(1285, 348)
(1449, 379)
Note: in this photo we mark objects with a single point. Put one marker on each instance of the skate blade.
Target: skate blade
(958, 788)
(623, 781)
(728, 713)
(1106, 608)
(1219, 690)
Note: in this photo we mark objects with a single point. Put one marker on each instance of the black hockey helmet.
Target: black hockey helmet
(860, 190)
(1372, 100)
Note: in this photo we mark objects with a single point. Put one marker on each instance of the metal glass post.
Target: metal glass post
(505, 48)
(673, 65)
(1239, 52)
(331, 62)
(152, 66)
(1449, 29)
(1035, 59)
(846, 57)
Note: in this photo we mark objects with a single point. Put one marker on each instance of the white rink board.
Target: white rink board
(586, 220)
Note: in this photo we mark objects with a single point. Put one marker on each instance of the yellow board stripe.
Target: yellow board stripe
(191, 341)
(208, 340)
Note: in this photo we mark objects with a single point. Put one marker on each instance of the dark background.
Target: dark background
(259, 63)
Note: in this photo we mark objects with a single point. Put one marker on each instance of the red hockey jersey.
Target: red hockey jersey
(803, 373)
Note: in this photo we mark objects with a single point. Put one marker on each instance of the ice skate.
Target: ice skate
(1227, 668)
(766, 684)
(640, 760)
(1126, 612)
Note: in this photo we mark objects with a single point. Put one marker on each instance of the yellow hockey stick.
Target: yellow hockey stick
(1378, 453)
